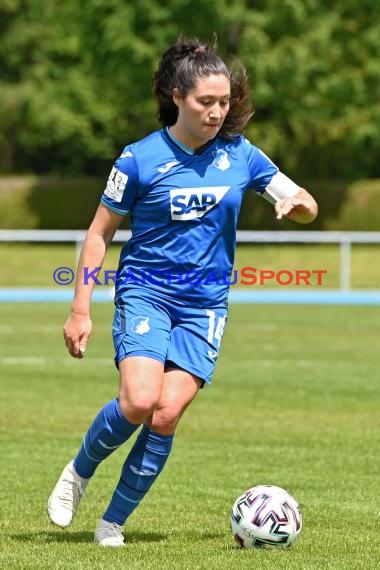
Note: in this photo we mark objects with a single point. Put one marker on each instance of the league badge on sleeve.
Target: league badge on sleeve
(116, 184)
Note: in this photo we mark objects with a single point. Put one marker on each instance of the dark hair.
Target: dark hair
(189, 60)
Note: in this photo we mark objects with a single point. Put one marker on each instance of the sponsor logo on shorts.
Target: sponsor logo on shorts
(213, 354)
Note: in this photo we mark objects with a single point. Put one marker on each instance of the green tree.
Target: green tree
(315, 74)
(75, 78)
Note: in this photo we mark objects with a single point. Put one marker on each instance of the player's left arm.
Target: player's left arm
(290, 200)
(301, 208)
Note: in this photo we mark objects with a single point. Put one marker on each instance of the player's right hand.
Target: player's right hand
(76, 332)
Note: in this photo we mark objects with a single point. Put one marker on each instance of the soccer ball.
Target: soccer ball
(266, 516)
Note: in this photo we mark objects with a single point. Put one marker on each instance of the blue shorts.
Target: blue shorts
(179, 336)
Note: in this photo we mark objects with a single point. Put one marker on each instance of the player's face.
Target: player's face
(202, 111)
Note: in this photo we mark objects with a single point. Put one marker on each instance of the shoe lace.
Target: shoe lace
(116, 530)
(71, 494)
(109, 530)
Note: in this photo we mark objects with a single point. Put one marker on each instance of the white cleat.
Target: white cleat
(109, 534)
(65, 498)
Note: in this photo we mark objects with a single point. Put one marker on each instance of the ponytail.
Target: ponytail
(182, 65)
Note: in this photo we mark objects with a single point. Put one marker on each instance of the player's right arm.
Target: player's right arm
(78, 326)
(117, 199)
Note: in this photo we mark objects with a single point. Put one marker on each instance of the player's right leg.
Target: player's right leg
(66, 495)
(120, 418)
(106, 433)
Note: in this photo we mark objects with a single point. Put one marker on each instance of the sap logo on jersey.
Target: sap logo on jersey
(191, 203)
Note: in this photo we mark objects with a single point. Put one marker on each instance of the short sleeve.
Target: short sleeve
(261, 168)
(122, 184)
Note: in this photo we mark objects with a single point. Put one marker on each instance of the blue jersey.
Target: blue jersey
(184, 207)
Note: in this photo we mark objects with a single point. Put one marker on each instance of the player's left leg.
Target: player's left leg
(148, 455)
(193, 351)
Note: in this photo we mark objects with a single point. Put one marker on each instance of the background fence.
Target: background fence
(344, 240)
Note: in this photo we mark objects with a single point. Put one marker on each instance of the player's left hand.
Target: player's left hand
(287, 205)
(301, 208)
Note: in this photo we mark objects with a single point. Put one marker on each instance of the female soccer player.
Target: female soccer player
(183, 185)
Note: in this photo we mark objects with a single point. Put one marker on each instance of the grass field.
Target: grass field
(295, 402)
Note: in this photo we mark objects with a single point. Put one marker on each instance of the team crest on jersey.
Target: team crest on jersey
(191, 203)
(221, 160)
(140, 325)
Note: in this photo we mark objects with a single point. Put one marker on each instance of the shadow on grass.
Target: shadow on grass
(84, 537)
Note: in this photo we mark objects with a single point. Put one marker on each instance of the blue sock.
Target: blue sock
(141, 468)
(107, 432)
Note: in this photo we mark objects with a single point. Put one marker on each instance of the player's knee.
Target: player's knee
(165, 420)
(137, 408)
